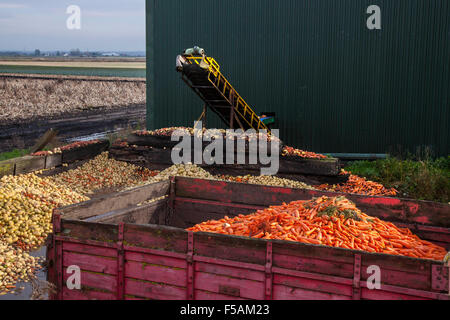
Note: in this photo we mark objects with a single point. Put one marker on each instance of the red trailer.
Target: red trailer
(130, 248)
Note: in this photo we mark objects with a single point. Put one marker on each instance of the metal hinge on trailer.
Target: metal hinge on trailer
(171, 201)
(190, 267)
(356, 293)
(120, 263)
(440, 278)
(447, 264)
(268, 272)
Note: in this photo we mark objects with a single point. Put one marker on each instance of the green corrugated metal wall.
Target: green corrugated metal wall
(335, 85)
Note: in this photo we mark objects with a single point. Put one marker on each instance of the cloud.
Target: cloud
(106, 25)
(12, 6)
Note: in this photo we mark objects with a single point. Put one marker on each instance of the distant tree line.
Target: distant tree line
(71, 53)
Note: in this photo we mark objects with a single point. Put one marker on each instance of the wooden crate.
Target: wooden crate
(127, 249)
(28, 164)
(156, 150)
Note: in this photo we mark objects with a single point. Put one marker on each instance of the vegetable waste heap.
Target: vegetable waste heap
(15, 265)
(327, 221)
(26, 204)
(101, 173)
(359, 185)
(290, 151)
(72, 146)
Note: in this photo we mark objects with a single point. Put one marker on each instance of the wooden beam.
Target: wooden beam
(44, 140)
(116, 201)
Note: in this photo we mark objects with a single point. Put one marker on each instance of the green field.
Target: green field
(76, 71)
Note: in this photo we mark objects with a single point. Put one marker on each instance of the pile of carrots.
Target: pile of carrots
(290, 151)
(240, 179)
(335, 222)
(120, 143)
(40, 153)
(79, 144)
(146, 174)
(356, 184)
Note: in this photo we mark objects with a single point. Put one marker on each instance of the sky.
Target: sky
(106, 25)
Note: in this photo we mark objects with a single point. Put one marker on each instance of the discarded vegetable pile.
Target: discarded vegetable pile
(193, 171)
(327, 221)
(217, 133)
(103, 173)
(290, 151)
(26, 205)
(71, 146)
(183, 170)
(266, 180)
(15, 265)
(164, 132)
(356, 184)
(27, 202)
(46, 153)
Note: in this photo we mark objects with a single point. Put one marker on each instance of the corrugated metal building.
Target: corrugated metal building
(335, 85)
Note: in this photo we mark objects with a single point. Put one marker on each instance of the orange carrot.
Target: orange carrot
(326, 221)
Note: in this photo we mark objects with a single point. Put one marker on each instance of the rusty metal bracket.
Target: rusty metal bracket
(120, 263)
(171, 201)
(356, 294)
(447, 264)
(190, 266)
(268, 271)
(440, 278)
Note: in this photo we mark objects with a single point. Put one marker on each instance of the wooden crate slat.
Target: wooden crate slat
(90, 263)
(165, 238)
(315, 265)
(235, 272)
(153, 273)
(86, 294)
(116, 201)
(154, 291)
(155, 259)
(206, 295)
(282, 292)
(229, 286)
(90, 250)
(96, 280)
(368, 294)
